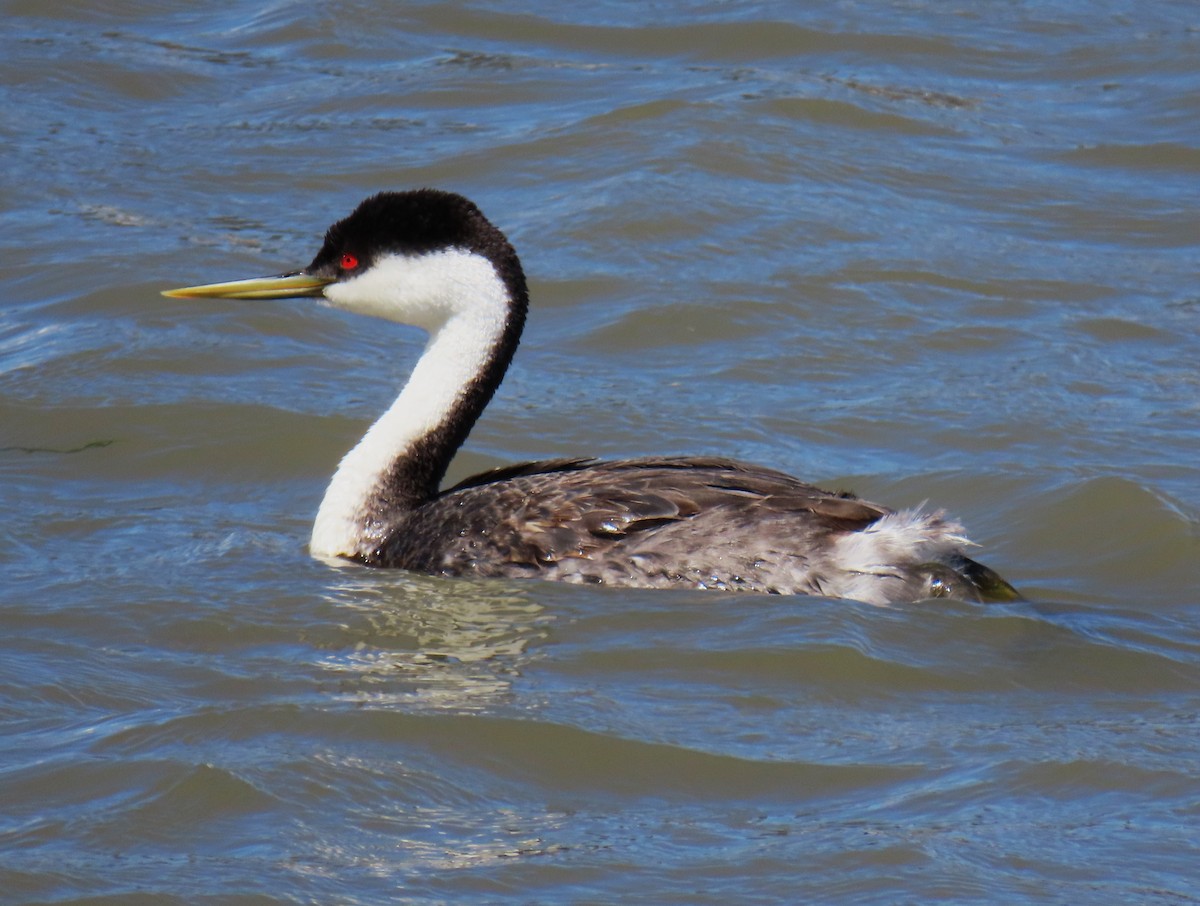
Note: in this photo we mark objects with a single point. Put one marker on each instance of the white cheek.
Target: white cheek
(424, 290)
(387, 291)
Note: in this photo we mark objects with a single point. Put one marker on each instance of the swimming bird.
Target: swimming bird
(431, 259)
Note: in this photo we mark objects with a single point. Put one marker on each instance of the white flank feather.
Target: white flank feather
(880, 555)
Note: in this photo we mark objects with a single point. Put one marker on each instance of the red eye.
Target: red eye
(349, 262)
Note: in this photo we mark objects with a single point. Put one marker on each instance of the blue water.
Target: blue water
(934, 253)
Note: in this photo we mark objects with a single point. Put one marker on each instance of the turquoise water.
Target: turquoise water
(928, 252)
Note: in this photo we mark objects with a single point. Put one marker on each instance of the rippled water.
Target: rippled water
(940, 252)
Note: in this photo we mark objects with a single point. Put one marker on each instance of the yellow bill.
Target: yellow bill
(284, 286)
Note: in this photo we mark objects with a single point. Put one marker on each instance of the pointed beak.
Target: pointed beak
(286, 286)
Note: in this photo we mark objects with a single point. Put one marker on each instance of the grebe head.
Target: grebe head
(418, 257)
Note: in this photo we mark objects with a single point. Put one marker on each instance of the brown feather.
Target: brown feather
(703, 522)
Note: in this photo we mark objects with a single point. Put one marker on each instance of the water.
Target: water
(938, 252)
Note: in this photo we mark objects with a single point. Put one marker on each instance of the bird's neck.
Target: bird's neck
(400, 462)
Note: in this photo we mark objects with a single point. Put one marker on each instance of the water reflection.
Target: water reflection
(432, 643)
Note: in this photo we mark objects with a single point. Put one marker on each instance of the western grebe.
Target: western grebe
(431, 259)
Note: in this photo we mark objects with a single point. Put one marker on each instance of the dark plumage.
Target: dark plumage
(670, 522)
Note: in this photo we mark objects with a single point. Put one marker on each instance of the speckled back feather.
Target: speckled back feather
(681, 522)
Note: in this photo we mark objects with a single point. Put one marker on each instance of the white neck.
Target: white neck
(456, 296)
